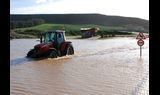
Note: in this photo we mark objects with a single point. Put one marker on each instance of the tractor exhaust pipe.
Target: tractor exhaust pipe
(40, 38)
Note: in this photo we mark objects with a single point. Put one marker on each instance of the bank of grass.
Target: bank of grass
(14, 35)
(71, 30)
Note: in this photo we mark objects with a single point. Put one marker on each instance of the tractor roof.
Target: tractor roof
(56, 31)
(50, 31)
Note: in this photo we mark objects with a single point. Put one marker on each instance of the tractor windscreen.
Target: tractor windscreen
(49, 37)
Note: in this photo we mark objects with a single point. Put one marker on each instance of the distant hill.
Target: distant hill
(97, 19)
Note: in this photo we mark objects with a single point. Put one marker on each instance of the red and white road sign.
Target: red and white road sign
(140, 36)
(140, 42)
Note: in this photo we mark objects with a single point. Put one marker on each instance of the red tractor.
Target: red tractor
(52, 44)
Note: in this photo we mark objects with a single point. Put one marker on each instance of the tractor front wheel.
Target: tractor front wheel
(31, 53)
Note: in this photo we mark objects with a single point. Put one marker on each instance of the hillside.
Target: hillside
(136, 24)
(69, 28)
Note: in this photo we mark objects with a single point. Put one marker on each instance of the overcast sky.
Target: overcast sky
(128, 8)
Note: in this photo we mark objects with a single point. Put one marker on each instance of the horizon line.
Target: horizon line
(75, 14)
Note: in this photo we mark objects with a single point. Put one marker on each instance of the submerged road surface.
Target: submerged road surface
(99, 67)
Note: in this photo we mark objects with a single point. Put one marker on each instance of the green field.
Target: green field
(71, 30)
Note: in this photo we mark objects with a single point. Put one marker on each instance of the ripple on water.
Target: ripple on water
(99, 67)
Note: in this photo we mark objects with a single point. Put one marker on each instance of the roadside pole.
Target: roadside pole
(140, 41)
(140, 51)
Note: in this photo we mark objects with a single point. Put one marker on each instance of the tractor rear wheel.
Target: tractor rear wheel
(69, 50)
(53, 54)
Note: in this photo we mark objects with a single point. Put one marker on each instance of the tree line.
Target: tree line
(27, 23)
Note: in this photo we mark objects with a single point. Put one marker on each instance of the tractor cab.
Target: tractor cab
(54, 36)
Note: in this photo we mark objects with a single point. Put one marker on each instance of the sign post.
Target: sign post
(140, 42)
(140, 51)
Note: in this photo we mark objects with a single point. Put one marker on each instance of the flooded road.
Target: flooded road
(99, 67)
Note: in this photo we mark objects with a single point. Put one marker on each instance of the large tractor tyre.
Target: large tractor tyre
(53, 54)
(69, 50)
(31, 53)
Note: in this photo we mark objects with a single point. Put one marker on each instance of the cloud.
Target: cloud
(45, 1)
(131, 8)
(40, 1)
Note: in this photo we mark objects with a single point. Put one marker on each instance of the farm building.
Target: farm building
(88, 32)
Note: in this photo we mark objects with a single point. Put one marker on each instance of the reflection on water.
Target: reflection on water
(18, 61)
(99, 67)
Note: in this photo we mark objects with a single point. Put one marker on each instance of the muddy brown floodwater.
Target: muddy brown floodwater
(99, 67)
